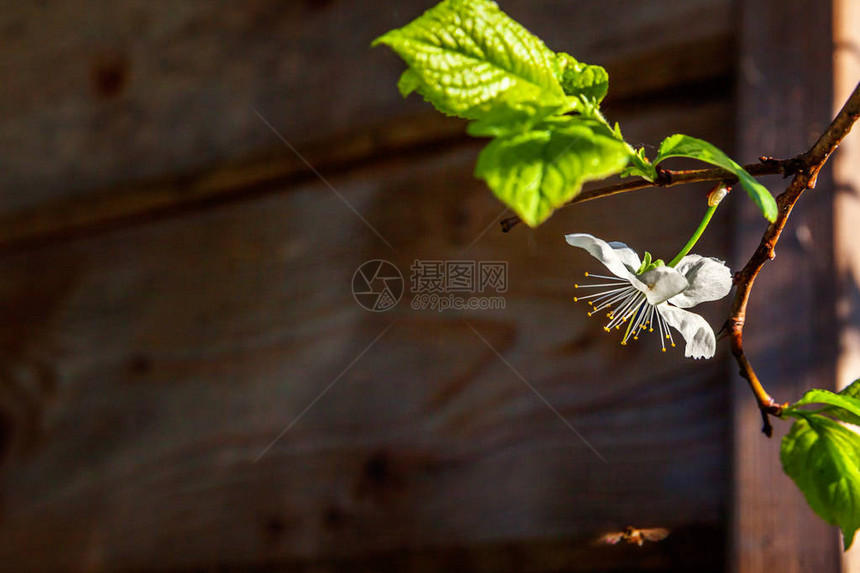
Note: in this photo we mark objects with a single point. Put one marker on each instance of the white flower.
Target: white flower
(647, 297)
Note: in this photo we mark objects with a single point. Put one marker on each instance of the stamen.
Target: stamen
(596, 285)
(666, 331)
(602, 294)
(650, 322)
(612, 297)
(626, 304)
(622, 314)
(616, 279)
(606, 298)
(637, 315)
(660, 327)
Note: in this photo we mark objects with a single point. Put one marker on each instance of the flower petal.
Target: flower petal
(614, 256)
(660, 284)
(701, 342)
(709, 278)
(627, 255)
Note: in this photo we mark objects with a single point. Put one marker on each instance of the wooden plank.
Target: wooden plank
(242, 179)
(846, 183)
(98, 94)
(181, 348)
(247, 178)
(785, 102)
(229, 181)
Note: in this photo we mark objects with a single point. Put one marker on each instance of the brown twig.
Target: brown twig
(810, 164)
(668, 178)
(805, 168)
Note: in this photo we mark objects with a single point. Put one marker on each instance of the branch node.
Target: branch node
(779, 166)
(664, 177)
(805, 168)
(509, 223)
(766, 428)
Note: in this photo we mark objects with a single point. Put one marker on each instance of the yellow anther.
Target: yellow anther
(673, 345)
(575, 299)
(606, 328)
(667, 337)
(635, 338)
(575, 286)
(664, 350)
(650, 330)
(623, 343)
(586, 274)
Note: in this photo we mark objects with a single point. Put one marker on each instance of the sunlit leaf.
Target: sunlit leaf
(685, 146)
(466, 55)
(538, 171)
(823, 459)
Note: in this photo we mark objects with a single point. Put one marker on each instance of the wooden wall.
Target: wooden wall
(175, 293)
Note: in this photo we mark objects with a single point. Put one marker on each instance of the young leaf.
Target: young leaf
(506, 119)
(823, 459)
(824, 397)
(539, 170)
(409, 82)
(639, 165)
(852, 390)
(465, 56)
(578, 79)
(842, 406)
(685, 146)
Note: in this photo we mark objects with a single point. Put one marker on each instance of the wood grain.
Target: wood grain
(846, 184)
(182, 347)
(174, 293)
(785, 103)
(98, 95)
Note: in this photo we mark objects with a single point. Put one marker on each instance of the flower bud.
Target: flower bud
(717, 194)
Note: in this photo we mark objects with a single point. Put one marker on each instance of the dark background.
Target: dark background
(186, 189)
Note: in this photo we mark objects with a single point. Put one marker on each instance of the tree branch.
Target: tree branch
(668, 178)
(811, 160)
(805, 168)
(811, 163)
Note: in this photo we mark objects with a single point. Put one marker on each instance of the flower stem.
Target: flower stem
(698, 233)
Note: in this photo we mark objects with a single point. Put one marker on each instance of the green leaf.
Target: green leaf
(538, 171)
(509, 119)
(817, 396)
(408, 83)
(852, 390)
(578, 79)
(842, 406)
(685, 146)
(823, 459)
(639, 166)
(465, 56)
